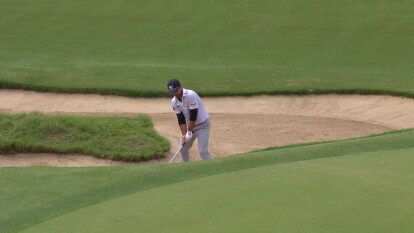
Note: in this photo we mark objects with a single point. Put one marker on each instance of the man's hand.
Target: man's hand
(187, 137)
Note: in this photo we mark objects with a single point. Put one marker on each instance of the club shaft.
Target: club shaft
(176, 154)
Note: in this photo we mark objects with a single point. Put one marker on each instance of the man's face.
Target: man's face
(179, 93)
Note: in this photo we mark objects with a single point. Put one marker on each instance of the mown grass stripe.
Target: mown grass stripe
(144, 93)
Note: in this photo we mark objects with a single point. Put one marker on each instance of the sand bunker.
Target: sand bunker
(239, 124)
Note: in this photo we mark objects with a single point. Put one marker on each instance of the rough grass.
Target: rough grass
(116, 138)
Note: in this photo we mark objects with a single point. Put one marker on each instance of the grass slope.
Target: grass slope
(216, 47)
(367, 192)
(33, 195)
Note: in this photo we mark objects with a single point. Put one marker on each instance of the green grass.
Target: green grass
(215, 47)
(117, 138)
(364, 192)
(34, 195)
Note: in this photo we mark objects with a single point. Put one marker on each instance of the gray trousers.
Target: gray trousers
(202, 132)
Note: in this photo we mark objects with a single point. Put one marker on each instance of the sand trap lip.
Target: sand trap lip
(240, 124)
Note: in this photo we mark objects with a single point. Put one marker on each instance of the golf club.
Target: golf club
(176, 153)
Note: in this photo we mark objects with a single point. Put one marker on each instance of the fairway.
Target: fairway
(367, 192)
(217, 47)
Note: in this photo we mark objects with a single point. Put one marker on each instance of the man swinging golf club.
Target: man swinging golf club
(192, 119)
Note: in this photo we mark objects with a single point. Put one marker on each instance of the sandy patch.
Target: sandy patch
(239, 124)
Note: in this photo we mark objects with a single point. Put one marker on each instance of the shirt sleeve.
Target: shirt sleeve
(193, 101)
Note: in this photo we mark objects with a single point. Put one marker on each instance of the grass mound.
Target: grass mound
(51, 192)
(363, 192)
(116, 138)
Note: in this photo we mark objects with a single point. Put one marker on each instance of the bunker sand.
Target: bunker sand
(239, 124)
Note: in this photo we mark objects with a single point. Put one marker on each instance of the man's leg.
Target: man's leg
(203, 135)
(185, 151)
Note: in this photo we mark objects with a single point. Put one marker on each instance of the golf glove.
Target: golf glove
(188, 136)
(182, 141)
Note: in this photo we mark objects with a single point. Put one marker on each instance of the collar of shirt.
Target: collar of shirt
(184, 95)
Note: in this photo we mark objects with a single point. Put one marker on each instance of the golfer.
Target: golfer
(192, 119)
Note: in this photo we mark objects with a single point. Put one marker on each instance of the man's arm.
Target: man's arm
(193, 107)
(183, 129)
(193, 118)
(182, 124)
(187, 130)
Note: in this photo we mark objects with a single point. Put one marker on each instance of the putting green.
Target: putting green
(367, 192)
